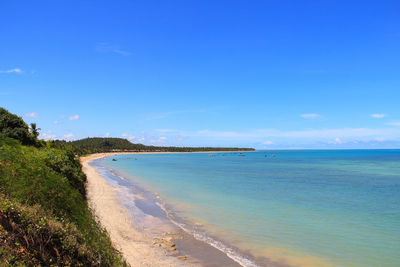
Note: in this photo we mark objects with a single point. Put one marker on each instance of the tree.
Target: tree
(14, 127)
(35, 130)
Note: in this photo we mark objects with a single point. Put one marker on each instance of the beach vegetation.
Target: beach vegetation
(45, 219)
(112, 144)
(14, 127)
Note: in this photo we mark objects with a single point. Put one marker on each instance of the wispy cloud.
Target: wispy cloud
(110, 48)
(31, 115)
(268, 142)
(15, 70)
(338, 140)
(387, 137)
(48, 136)
(130, 137)
(69, 136)
(56, 122)
(310, 115)
(378, 115)
(107, 135)
(302, 136)
(73, 117)
(394, 123)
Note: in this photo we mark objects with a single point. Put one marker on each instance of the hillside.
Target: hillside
(44, 216)
(109, 144)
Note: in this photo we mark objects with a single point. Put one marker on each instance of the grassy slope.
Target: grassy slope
(44, 216)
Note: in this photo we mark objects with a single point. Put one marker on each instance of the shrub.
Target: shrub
(49, 209)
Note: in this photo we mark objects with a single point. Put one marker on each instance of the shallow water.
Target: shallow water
(307, 208)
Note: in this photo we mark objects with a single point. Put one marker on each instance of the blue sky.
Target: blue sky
(266, 74)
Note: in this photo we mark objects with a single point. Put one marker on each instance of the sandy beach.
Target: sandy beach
(172, 248)
(137, 249)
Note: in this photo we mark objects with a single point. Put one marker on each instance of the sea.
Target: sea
(297, 207)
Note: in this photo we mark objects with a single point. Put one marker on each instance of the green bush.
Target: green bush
(14, 127)
(49, 182)
(30, 236)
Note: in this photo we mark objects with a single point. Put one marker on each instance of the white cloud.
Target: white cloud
(109, 48)
(48, 136)
(56, 122)
(394, 123)
(128, 136)
(307, 138)
(16, 70)
(307, 135)
(378, 115)
(74, 117)
(106, 134)
(69, 136)
(268, 142)
(338, 141)
(310, 115)
(31, 115)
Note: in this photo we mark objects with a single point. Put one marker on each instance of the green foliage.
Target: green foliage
(32, 237)
(109, 144)
(35, 130)
(26, 176)
(44, 216)
(65, 163)
(98, 144)
(14, 127)
(52, 180)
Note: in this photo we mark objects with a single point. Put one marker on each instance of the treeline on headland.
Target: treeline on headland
(45, 219)
(44, 215)
(111, 144)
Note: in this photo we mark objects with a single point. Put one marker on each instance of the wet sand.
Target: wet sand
(144, 236)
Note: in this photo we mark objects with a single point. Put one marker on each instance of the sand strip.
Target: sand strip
(137, 248)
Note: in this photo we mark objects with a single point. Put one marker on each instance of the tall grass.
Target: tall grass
(47, 186)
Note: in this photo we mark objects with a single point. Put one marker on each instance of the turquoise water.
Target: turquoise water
(304, 207)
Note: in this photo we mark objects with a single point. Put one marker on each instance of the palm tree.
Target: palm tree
(34, 130)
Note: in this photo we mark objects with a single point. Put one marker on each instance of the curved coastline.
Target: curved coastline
(147, 240)
(136, 248)
(193, 233)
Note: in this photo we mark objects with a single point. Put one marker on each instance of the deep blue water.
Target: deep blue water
(306, 207)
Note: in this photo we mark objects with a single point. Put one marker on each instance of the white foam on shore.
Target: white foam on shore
(202, 236)
(198, 235)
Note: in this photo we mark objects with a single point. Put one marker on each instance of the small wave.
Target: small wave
(199, 235)
(202, 236)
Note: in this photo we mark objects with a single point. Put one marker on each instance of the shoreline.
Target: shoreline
(169, 247)
(135, 247)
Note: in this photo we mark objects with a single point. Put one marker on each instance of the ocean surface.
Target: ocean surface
(301, 207)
